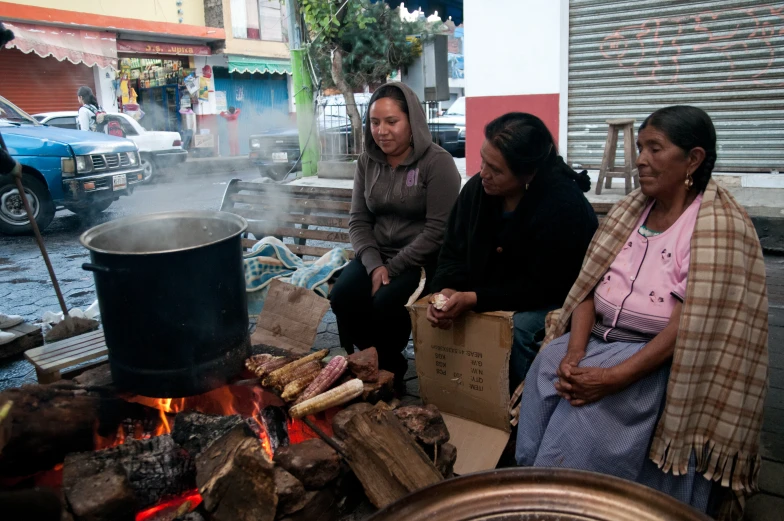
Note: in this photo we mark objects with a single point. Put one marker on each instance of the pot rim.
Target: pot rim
(536, 490)
(89, 235)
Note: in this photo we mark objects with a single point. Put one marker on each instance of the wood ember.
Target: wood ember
(236, 479)
(157, 468)
(364, 364)
(107, 494)
(381, 390)
(385, 457)
(291, 492)
(274, 419)
(340, 420)
(47, 423)
(313, 462)
(424, 422)
(195, 431)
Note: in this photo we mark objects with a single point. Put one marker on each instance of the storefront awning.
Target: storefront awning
(261, 65)
(75, 45)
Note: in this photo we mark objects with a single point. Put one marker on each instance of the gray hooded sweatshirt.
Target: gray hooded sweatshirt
(398, 215)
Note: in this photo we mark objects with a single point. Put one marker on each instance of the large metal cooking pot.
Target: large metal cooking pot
(538, 494)
(171, 289)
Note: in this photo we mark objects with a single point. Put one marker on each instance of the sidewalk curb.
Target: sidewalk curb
(217, 165)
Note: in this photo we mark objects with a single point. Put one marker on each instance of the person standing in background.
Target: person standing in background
(88, 109)
(231, 118)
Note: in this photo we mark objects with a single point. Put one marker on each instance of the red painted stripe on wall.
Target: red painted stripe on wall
(481, 110)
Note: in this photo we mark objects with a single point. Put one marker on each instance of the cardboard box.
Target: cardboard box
(464, 371)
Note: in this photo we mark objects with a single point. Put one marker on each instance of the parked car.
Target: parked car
(81, 171)
(454, 116)
(158, 149)
(275, 152)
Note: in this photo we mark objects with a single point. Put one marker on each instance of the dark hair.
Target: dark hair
(87, 95)
(392, 92)
(232, 110)
(528, 147)
(688, 127)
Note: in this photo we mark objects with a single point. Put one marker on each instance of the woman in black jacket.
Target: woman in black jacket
(516, 238)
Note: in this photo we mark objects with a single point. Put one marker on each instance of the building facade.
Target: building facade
(174, 64)
(577, 64)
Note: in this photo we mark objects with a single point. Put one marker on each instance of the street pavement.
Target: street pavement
(25, 288)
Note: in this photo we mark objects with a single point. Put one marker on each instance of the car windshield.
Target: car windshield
(457, 108)
(13, 114)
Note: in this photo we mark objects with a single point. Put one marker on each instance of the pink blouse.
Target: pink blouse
(635, 298)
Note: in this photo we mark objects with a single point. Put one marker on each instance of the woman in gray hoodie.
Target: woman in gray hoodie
(404, 189)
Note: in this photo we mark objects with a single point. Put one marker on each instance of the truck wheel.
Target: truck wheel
(13, 218)
(149, 168)
(90, 209)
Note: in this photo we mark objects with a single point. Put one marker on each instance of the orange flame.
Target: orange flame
(192, 498)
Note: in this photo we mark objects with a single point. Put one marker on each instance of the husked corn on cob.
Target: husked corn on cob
(328, 376)
(276, 376)
(439, 301)
(314, 366)
(263, 364)
(337, 396)
(293, 389)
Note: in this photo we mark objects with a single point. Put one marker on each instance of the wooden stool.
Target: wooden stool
(629, 171)
(51, 358)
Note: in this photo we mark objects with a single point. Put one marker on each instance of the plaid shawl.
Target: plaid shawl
(718, 380)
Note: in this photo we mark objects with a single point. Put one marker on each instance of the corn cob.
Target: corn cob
(293, 389)
(275, 376)
(262, 365)
(321, 402)
(328, 376)
(314, 366)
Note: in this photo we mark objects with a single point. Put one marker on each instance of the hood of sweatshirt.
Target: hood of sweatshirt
(419, 129)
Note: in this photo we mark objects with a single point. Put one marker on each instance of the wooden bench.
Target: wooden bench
(50, 359)
(300, 213)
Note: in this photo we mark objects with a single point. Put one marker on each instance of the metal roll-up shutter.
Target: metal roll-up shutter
(37, 84)
(629, 58)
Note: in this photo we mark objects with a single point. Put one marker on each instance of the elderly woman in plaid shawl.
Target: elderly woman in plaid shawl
(655, 369)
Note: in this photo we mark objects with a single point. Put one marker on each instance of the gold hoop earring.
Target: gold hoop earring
(689, 182)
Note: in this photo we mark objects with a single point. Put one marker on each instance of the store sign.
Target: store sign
(162, 48)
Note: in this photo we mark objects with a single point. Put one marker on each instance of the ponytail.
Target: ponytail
(86, 93)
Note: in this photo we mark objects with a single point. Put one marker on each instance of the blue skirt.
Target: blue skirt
(611, 436)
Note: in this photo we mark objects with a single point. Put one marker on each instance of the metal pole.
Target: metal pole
(303, 95)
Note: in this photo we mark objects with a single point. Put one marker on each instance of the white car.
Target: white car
(158, 149)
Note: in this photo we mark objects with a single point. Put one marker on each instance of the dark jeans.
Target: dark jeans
(379, 321)
(528, 329)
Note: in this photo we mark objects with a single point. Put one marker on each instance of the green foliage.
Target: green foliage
(371, 35)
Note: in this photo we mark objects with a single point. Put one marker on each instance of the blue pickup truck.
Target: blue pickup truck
(81, 171)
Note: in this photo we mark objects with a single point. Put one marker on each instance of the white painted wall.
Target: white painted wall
(104, 88)
(513, 47)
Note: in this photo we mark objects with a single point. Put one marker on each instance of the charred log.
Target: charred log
(274, 419)
(156, 469)
(47, 423)
(195, 431)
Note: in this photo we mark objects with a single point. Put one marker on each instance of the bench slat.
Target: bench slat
(319, 235)
(74, 359)
(294, 218)
(66, 351)
(68, 342)
(304, 190)
(294, 202)
(266, 229)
